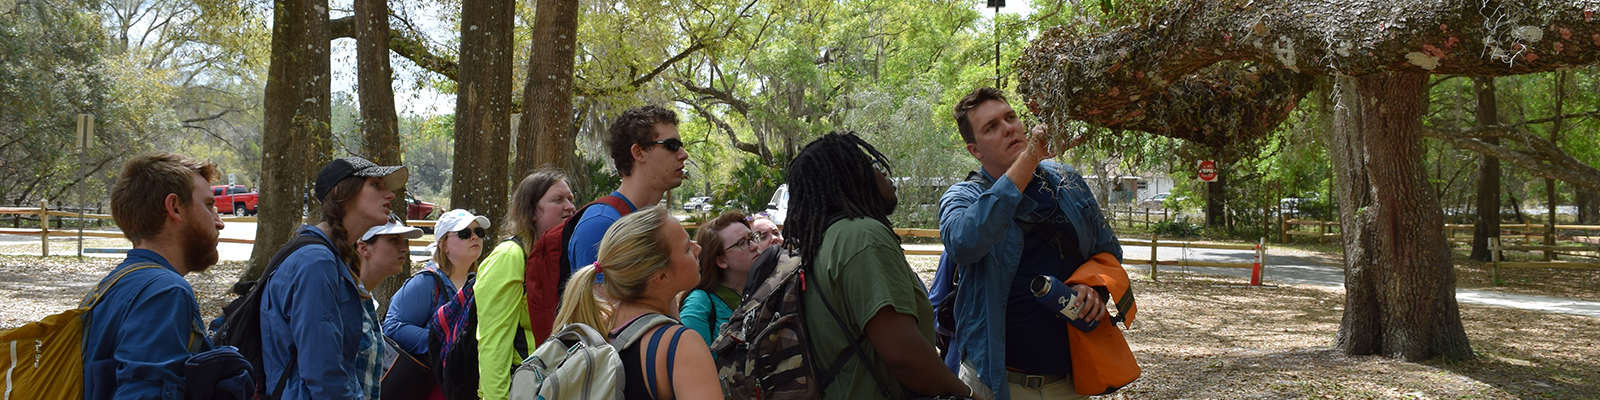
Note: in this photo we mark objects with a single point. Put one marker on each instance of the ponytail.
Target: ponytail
(580, 305)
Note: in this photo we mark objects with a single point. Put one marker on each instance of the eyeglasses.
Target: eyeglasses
(748, 243)
(880, 166)
(465, 234)
(672, 144)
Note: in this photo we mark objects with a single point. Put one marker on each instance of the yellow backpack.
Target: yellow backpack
(44, 360)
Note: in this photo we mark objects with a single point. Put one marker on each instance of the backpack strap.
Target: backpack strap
(571, 226)
(650, 358)
(844, 357)
(105, 285)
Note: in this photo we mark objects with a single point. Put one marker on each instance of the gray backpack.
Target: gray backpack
(578, 363)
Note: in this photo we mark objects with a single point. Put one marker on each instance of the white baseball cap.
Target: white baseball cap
(458, 219)
(394, 227)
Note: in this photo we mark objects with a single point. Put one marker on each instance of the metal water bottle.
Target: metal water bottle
(1055, 295)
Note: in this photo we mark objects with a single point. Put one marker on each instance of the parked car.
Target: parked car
(1156, 202)
(235, 199)
(418, 209)
(778, 206)
(697, 204)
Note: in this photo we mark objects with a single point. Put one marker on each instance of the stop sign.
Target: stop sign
(1208, 171)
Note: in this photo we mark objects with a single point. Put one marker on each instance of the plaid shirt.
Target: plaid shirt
(369, 358)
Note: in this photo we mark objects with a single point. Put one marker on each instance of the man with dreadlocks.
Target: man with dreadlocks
(1016, 218)
(868, 309)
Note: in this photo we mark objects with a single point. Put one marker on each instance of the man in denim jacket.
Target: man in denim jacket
(1017, 218)
(136, 339)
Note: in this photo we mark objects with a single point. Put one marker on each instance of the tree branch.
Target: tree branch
(1073, 75)
(1545, 161)
(724, 97)
(405, 43)
(752, 148)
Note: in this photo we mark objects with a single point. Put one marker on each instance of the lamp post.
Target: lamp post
(996, 4)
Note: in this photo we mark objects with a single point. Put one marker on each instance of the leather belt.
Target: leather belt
(1032, 382)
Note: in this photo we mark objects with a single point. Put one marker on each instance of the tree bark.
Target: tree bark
(1215, 198)
(480, 178)
(296, 119)
(1488, 221)
(1550, 183)
(1360, 331)
(1415, 317)
(379, 123)
(1588, 203)
(545, 136)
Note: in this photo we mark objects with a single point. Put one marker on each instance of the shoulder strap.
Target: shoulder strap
(617, 203)
(855, 347)
(650, 358)
(631, 333)
(105, 285)
(570, 226)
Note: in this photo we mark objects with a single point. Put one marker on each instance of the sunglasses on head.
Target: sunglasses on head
(672, 144)
(465, 234)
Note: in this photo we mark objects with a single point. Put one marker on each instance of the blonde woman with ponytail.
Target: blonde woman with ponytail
(648, 260)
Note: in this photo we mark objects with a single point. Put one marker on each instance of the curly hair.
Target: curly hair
(635, 126)
(832, 176)
(971, 101)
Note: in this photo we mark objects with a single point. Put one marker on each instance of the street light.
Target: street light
(996, 4)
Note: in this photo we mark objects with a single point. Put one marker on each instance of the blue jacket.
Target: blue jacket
(140, 333)
(311, 312)
(976, 226)
(413, 306)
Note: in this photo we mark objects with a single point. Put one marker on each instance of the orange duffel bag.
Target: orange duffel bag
(1101, 359)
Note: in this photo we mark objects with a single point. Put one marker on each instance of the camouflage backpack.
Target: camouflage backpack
(763, 352)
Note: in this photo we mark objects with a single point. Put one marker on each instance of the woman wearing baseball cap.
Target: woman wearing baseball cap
(455, 257)
(312, 309)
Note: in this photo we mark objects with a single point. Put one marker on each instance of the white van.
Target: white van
(778, 206)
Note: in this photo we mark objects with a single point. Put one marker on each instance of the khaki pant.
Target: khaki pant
(1060, 389)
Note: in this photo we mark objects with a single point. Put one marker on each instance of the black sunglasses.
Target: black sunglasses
(465, 234)
(672, 144)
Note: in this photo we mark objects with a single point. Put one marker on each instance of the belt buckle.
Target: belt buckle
(1033, 382)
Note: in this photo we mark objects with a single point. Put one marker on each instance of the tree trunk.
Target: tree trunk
(1588, 203)
(480, 179)
(1550, 184)
(295, 122)
(1488, 224)
(379, 124)
(1215, 197)
(546, 134)
(1407, 308)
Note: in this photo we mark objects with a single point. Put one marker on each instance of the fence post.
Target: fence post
(1283, 232)
(1494, 257)
(1153, 237)
(44, 227)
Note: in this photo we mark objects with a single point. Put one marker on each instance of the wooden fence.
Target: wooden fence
(1513, 237)
(45, 213)
(1132, 214)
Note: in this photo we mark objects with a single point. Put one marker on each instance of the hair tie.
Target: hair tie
(599, 269)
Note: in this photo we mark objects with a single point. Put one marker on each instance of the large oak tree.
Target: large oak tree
(297, 141)
(1400, 284)
(480, 178)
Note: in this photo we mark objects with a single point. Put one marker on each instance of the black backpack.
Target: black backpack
(241, 323)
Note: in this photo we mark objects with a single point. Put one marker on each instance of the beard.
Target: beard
(200, 248)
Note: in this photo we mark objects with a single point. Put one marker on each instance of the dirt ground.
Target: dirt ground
(1196, 337)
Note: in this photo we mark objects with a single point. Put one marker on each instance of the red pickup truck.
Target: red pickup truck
(235, 199)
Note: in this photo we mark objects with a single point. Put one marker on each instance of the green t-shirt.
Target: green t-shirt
(862, 269)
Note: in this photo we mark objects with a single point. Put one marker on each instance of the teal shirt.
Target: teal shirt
(706, 315)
